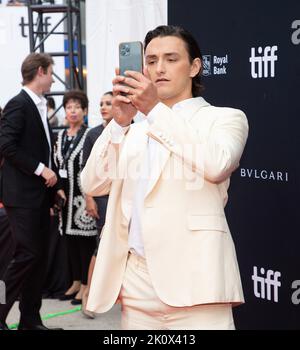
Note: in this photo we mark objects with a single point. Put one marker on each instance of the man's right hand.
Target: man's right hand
(50, 177)
(122, 108)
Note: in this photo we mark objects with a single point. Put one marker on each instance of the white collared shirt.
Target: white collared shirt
(135, 239)
(41, 105)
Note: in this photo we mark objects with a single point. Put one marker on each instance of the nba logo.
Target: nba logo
(206, 65)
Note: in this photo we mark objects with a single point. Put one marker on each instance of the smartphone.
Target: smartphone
(59, 204)
(131, 56)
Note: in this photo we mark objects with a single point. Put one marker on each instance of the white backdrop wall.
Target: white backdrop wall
(14, 47)
(109, 22)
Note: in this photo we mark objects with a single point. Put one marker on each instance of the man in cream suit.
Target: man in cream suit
(166, 251)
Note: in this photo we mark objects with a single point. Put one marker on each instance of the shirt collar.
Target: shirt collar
(187, 108)
(35, 98)
(190, 102)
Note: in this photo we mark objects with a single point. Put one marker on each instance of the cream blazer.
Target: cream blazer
(188, 246)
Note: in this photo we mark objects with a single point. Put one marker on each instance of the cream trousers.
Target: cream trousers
(142, 309)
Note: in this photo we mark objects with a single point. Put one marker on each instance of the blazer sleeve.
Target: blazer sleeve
(12, 126)
(217, 154)
(101, 167)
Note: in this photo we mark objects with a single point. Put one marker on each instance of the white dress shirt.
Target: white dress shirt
(135, 239)
(41, 105)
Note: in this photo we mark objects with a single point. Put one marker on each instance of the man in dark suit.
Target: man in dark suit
(28, 184)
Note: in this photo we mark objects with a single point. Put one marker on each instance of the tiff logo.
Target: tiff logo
(2, 293)
(263, 65)
(264, 285)
(23, 25)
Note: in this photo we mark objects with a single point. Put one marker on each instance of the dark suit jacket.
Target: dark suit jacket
(89, 142)
(23, 145)
(90, 139)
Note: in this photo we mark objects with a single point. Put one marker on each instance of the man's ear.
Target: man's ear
(40, 71)
(195, 67)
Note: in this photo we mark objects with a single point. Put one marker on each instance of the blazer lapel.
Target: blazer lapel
(188, 109)
(133, 155)
(156, 167)
(192, 110)
(131, 158)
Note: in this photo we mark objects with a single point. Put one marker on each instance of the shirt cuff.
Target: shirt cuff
(39, 169)
(118, 132)
(153, 113)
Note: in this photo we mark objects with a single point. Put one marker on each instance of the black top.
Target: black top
(91, 138)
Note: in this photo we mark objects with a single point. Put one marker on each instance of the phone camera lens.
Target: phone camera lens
(125, 50)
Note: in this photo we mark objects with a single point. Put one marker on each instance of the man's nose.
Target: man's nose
(160, 67)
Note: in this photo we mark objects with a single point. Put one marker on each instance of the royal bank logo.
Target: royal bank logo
(296, 34)
(215, 65)
(263, 61)
(266, 284)
(206, 65)
(264, 175)
(2, 293)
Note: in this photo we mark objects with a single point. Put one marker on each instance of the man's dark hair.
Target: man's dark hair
(32, 63)
(76, 95)
(191, 46)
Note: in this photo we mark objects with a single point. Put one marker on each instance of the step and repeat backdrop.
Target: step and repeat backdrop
(14, 47)
(251, 54)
